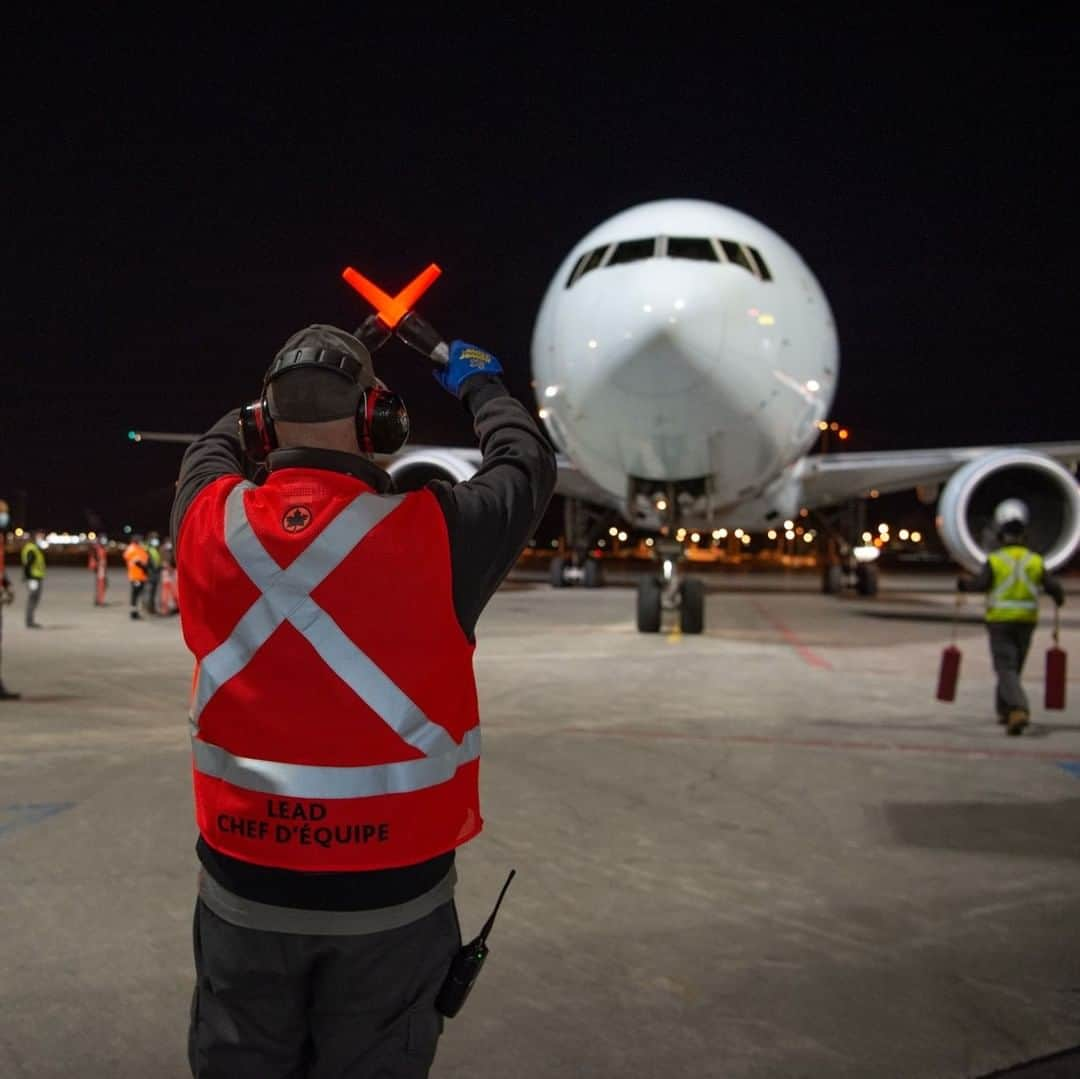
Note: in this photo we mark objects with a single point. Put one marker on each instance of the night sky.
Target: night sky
(181, 194)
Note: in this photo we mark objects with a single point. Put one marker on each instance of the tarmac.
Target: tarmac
(767, 851)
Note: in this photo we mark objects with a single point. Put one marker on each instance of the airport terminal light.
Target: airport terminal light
(789, 534)
(772, 533)
(789, 524)
(882, 528)
(623, 537)
(808, 537)
(695, 536)
(649, 541)
(661, 504)
(903, 533)
(716, 534)
(745, 539)
(738, 533)
(916, 537)
(612, 531)
(843, 434)
(822, 425)
(866, 537)
(723, 533)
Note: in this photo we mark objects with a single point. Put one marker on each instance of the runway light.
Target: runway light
(723, 533)
(623, 537)
(772, 533)
(551, 391)
(593, 342)
(696, 537)
(661, 504)
(867, 537)
(612, 531)
(916, 537)
(813, 385)
(904, 533)
(789, 534)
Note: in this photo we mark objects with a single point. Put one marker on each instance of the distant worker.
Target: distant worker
(98, 562)
(153, 571)
(1011, 577)
(33, 561)
(336, 732)
(168, 601)
(137, 559)
(6, 596)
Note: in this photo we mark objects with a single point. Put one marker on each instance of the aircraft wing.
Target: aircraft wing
(836, 477)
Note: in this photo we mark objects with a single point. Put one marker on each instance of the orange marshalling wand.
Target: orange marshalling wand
(392, 309)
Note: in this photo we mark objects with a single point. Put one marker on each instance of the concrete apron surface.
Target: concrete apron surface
(765, 851)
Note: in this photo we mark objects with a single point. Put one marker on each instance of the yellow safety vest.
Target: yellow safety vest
(34, 560)
(1014, 595)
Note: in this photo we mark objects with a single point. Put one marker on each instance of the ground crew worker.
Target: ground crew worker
(98, 563)
(336, 738)
(153, 571)
(137, 559)
(1011, 578)
(6, 596)
(33, 561)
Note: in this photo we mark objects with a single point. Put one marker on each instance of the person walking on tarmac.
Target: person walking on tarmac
(6, 596)
(138, 564)
(334, 711)
(32, 556)
(1011, 577)
(153, 571)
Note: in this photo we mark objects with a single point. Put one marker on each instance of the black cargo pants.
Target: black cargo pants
(1009, 644)
(293, 1006)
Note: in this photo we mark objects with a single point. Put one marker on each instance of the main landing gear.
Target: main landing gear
(582, 526)
(843, 567)
(671, 592)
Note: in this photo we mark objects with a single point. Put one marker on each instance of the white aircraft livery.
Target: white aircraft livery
(683, 357)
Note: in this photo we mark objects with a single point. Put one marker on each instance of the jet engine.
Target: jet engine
(965, 517)
(412, 469)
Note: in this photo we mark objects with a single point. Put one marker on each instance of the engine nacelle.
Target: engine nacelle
(965, 518)
(413, 468)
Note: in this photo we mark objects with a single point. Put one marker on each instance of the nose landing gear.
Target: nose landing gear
(670, 592)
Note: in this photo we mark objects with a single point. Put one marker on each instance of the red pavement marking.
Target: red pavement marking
(828, 743)
(807, 655)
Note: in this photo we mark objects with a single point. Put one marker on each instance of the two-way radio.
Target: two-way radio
(467, 964)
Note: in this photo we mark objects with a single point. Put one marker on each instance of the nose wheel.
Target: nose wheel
(682, 598)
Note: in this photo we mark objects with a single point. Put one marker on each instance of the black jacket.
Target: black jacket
(489, 519)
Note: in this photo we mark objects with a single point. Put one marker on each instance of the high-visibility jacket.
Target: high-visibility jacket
(134, 553)
(33, 560)
(1014, 593)
(334, 712)
(153, 555)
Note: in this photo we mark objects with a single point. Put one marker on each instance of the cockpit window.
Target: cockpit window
(699, 248)
(690, 247)
(589, 261)
(632, 251)
(733, 252)
(763, 270)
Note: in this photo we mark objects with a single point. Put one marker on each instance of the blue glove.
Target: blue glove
(465, 361)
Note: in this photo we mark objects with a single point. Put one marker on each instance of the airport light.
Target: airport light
(834, 426)
(772, 533)
(723, 533)
(612, 531)
(883, 527)
(554, 543)
(134, 436)
(916, 537)
(661, 504)
(745, 539)
(822, 425)
(789, 534)
(789, 525)
(716, 534)
(18, 532)
(601, 543)
(738, 533)
(866, 537)
(681, 534)
(649, 541)
(904, 533)
(843, 434)
(551, 391)
(91, 535)
(875, 493)
(808, 537)
(804, 512)
(623, 537)
(543, 413)
(695, 536)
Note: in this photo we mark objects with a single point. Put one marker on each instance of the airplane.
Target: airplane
(683, 358)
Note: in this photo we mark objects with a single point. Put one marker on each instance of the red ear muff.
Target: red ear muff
(257, 434)
(382, 421)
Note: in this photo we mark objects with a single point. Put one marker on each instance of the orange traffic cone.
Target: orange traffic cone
(1055, 670)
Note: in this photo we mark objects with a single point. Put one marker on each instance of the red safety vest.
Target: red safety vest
(334, 713)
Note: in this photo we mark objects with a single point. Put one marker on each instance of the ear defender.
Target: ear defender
(382, 421)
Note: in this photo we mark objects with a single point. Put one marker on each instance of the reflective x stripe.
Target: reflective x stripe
(286, 596)
(319, 781)
(1017, 576)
